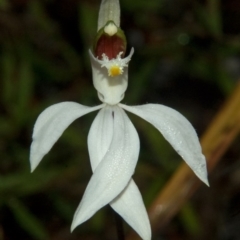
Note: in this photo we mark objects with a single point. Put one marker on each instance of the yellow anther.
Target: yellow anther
(115, 71)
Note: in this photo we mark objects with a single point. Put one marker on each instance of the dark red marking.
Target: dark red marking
(110, 45)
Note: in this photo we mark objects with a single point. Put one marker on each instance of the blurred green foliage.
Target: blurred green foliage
(186, 57)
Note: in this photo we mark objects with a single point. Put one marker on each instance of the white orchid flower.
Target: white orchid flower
(113, 142)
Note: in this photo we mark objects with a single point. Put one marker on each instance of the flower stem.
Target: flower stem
(119, 226)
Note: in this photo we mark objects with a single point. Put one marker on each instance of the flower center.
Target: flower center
(115, 71)
(114, 66)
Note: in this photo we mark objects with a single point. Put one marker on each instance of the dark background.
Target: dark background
(187, 56)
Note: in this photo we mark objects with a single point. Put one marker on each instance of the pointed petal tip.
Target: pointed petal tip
(32, 166)
(75, 221)
(35, 155)
(207, 182)
(147, 235)
(34, 161)
(81, 215)
(203, 177)
(73, 226)
(201, 171)
(31, 169)
(78, 219)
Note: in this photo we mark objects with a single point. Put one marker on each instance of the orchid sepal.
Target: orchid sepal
(178, 131)
(109, 11)
(50, 125)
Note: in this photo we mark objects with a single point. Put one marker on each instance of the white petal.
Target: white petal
(109, 10)
(178, 131)
(100, 136)
(128, 203)
(50, 125)
(115, 170)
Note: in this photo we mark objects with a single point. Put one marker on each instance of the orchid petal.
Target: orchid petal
(114, 171)
(50, 125)
(128, 203)
(178, 131)
(100, 136)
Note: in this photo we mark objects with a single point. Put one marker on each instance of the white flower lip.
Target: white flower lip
(114, 66)
(110, 89)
